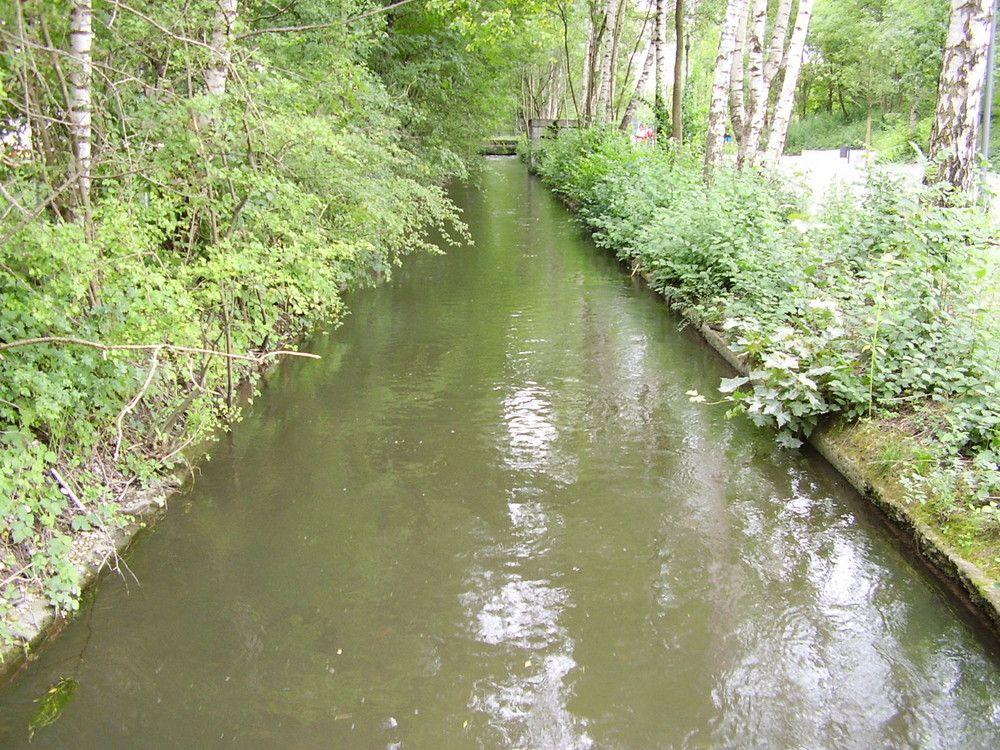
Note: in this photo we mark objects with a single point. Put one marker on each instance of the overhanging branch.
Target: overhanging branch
(317, 26)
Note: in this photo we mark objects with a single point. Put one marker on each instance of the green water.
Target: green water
(490, 517)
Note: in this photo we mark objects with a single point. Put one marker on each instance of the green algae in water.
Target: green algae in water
(52, 704)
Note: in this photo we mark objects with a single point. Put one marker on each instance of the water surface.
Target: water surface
(490, 517)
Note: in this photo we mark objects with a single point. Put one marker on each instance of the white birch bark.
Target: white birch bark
(81, 37)
(611, 112)
(222, 31)
(955, 134)
(676, 111)
(720, 85)
(786, 99)
(660, 81)
(757, 106)
(737, 103)
(607, 60)
(589, 57)
(776, 48)
(640, 84)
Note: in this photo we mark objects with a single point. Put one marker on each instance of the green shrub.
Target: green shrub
(823, 132)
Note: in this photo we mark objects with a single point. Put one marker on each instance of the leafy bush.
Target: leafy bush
(823, 132)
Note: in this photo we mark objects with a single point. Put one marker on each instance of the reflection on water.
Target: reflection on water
(512, 601)
(492, 518)
(530, 429)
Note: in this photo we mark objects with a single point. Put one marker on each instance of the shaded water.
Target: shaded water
(490, 517)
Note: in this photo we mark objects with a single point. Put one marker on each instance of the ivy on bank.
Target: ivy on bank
(879, 307)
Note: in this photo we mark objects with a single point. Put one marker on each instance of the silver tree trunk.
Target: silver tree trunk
(640, 84)
(660, 83)
(955, 134)
(776, 49)
(720, 85)
(222, 31)
(81, 41)
(607, 73)
(786, 99)
(757, 107)
(676, 111)
(737, 102)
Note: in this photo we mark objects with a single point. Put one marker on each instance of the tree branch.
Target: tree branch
(161, 28)
(135, 400)
(147, 347)
(316, 26)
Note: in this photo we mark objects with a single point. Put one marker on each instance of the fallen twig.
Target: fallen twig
(131, 404)
(67, 490)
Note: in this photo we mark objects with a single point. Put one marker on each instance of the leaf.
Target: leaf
(787, 440)
(728, 385)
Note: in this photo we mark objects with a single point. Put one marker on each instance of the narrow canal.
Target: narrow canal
(490, 517)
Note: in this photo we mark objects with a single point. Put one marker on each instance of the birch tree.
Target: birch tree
(592, 50)
(677, 123)
(786, 98)
(606, 90)
(222, 32)
(718, 105)
(757, 104)
(659, 24)
(955, 133)
(640, 85)
(776, 49)
(610, 111)
(737, 106)
(80, 114)
(761, 65)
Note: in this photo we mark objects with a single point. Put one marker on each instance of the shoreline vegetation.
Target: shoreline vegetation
(873, 318)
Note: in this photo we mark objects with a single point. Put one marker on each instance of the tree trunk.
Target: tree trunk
(915, 111)
(569, 72)
(606, 73)
(737, 103)
(647, 68)
(591, 74)
(955, 134)
(757, 109)
(587, 70)
(776, 49)
(81, 37)
(660, 82)
(222, 31)
(610, 113)
(720, 85)
(786, 99)
(843, 105)
(678, 88)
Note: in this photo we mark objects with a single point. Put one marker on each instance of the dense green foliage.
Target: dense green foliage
(872, 71)
(224, 223)
(881, 306)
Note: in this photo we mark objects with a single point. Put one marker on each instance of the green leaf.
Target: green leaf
(728, 385)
